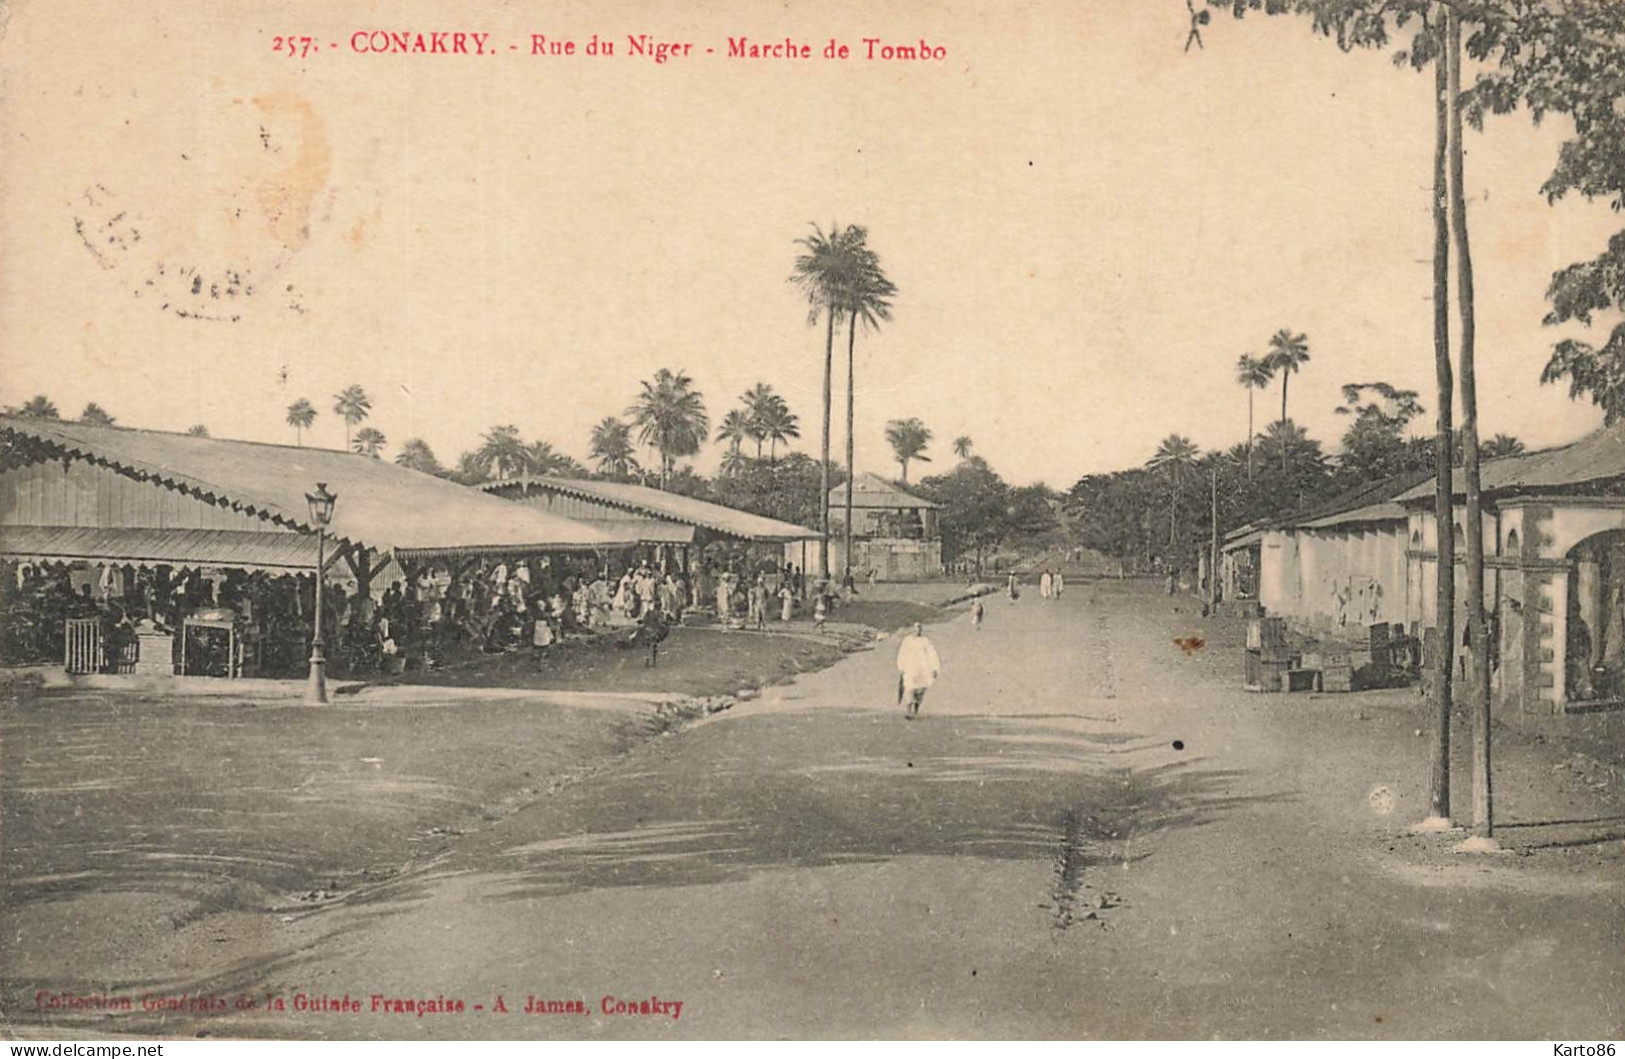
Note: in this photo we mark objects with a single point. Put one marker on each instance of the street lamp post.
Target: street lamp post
(321, 513)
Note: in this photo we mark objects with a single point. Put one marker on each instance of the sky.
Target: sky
(1087, 224)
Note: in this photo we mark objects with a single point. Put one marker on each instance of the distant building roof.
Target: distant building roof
(380, 505)
(1597, 457)
(871, 491)
(659, 504)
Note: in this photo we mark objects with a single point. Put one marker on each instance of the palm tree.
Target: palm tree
(1175, 453)
(1288, 352)
(300, 415)
(824, 271)
(416, 455)
(908, 439)
(612, 447)
(95, 415)
(197, 430)
(542, 458)
(962, 446)
(502, 448)
(735, 427)
(758, 401)
(354, 405)
(670, 417)
(1254, 373)
(781, 426)
(1501, 445)
(38, 407)
(867, 299)
(734, 462)
(369, 441)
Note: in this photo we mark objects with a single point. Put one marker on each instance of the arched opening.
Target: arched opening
(1511, 546)
(1456, 539)
(1594, 641)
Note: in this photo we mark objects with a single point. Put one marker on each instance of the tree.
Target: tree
(353, 404)
(301, 414)
(866, 299)
(502, 450)
(825, 271)
(1254, 373)
(759, 401)
(95, 415)
(611, 448)
(1288, 352)
(197, 430)
(974, 506)
(962, 446)
(735, 427)
(1374, 445)
(38, 407)
(1174, 454)
(780, 425)
(1501, 445)
(416, 455)
(541, 458)
(369, 441)
(908, 439)
(670, 417)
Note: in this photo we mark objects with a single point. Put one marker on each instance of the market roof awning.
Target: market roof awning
(285, 552)
(646, 530)
(380, 505)
(657, 504)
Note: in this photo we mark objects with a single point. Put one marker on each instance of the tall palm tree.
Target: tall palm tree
(369, 441)
(1253, 373)
(868, 300)
(1174, 453)
(197, 430)
(354, 405)
(962, 446)
(96, 415)
(824, 271)
(416, 455)
(39, 407)
(908, 439)
(611, 447)
(735, 427)
(1288, 352)
(759, 401)
(301, 414)
(781, 426)
(670, 416)
(502, 449)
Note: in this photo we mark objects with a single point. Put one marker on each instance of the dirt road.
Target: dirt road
(1089, 832)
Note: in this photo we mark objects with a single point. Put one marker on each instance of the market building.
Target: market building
(117, 543)
(894, 532)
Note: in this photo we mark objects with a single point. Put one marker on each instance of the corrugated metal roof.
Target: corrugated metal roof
(1387, 511)
(871, 490)
(663, 505)
(647, 530)
(1596, 457)
(379, 504)
(284, 550)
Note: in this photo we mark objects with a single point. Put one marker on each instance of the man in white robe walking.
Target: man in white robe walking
(917, 669)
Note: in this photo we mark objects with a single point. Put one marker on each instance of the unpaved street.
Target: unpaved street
(1091, 831)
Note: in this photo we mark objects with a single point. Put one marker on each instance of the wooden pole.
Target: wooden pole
(1213, 547)
(1477, 633)
(1442, 663)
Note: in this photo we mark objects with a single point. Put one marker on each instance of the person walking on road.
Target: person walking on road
(1014, 587)
(976, 614)
(1060, 584)
(1045, 584)
(917, 669)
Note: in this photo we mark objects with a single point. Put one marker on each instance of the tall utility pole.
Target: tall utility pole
(1213, 546)
(1443, 660)
(1478, 635)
